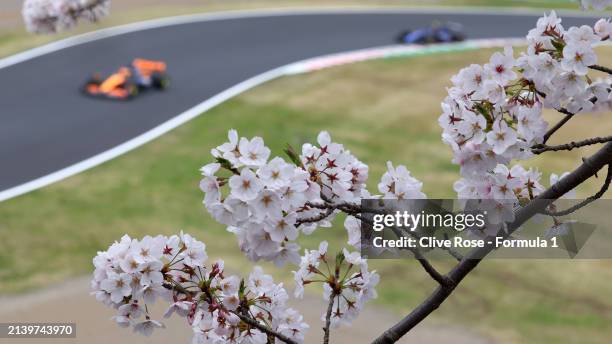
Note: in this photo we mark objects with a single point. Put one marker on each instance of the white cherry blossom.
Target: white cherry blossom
(211, 309)
(50, 16)
(245, 186)
(253, 153)
(578, 57)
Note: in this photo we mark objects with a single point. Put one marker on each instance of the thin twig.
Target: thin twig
(443, 280)
(539, 149)
(427, 266)
(450, 251)
(559, 125)
(179, 288)
(335, 292)
(265, 329)
(328, 315)
(587, 201)
(317, 218)
(329, 208)
(601, 69)
(585, 171)
(568, 115)
(356, 211)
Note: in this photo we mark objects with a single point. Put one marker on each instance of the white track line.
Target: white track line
(143, 138)
(293, 68)
(239, 14)
(304, 66)
(394, 51)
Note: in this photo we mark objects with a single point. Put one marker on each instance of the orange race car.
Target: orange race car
(128, 81)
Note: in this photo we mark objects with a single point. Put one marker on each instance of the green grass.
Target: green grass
(381, 110)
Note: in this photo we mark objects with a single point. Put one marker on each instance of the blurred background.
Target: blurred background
(381, 110)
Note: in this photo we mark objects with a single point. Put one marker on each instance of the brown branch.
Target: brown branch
(443, 280)
(601, 69)
(329, 208)
(568, 115)
(177, 287)
(251, 322)
(427, 266)
(328, 315)
(420, 257)
(559, 125)
(265, 329)
(355, 210)
(539, 149)
(317, 218)
(347, 207)
(587, 201)
(335, 292)
(585, 171)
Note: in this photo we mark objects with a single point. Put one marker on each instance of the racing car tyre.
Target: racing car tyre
(133, 90)
(401, 36)
(160, 81)
(459, 37)
(91, 81)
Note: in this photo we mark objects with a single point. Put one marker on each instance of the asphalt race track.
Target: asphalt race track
(46, 124)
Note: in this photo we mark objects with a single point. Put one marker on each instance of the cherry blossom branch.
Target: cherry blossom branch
(421, 258)
(539, 149)
(333, 294)
(587, 201)
(431, 270)
(265, 329)
(246, 319)
(328, 315)
(356, 210)
(568, 115)
(587, 170)
(559, 125)
(177, 287)
(601, 69)
(348, 208)
(75, 13)
(427, 266)
(40, 17)
(316, 218)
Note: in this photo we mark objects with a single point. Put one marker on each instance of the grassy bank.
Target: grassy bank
(382, 110)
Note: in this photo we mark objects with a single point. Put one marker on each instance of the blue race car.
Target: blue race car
(436, 33)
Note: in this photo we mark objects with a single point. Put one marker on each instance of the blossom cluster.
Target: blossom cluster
(49, 16)
(493, 112)
(133, 274)
(267, 203)
(345, 278)
(270, 202)
(491, 117)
